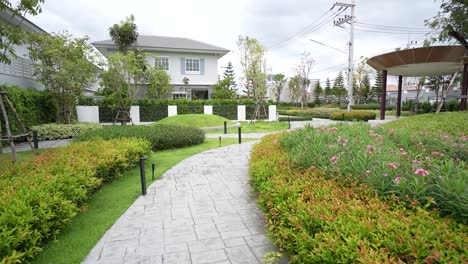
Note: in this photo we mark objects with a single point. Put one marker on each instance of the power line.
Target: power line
(318, 42)
(384, 26)
(342, 65)
(394, 30)
(390, 32)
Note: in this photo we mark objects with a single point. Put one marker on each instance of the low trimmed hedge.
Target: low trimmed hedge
(63, 131)
(353, 116)
(160, 136)
(372, 106)
(317, 219)
(39, 197)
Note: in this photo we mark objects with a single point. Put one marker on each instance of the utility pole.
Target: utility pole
(350, 20)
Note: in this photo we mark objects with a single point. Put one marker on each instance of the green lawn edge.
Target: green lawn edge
(105, 206)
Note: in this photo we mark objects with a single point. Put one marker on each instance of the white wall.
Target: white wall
(88, 114)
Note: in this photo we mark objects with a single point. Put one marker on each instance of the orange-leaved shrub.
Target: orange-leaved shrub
(39, 197)
(317, 219)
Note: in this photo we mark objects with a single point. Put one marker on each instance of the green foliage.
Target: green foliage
(370, 107)
(222, 89)
(159, 84)
(33, 107)
(376, 89)
(353, 116)
(319, 219)
(280, 81)
(160, 136)
(195, 120)
(40, 197)
(319, 112)
(62, 131)
(13, 35)
(65, 66)
(451, 17)
(124, 34)
(339, 89)
(295, 86)
(328, 90)
(229, 73)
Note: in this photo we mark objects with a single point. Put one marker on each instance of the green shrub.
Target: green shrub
(317, 219)
(63, 131)
(353, 116)
(453, 106)
(373, 106)
(309, 113)
(33, 107)
(160, 136)
(38, 198)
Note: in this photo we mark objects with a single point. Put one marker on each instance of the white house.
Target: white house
(181, 58)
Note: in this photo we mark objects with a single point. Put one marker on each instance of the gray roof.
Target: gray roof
(145, 41)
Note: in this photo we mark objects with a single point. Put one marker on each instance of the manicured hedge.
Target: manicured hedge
(319, 112)
(33, 107)
(372, 106)
(353, 116)
(38, 198)
(318, 219)
(160, 136)
(63, 131)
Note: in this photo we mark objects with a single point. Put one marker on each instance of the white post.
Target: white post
(171, 110)
(208, 109)
(241, 113)
(135, 114)
(272, 113)
(88, 114)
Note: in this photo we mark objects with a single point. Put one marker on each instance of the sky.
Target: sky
(272, 22)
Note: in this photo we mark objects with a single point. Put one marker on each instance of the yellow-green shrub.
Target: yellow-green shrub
(353, 115)
(320, 220)
(39, 197)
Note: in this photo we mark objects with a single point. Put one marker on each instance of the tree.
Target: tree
(280, 81)
(124, 34)
(12, 34)
(295, 86)
(451, 19)
(328, 91)
(229, 73)
(222, 90)
(303, 70)
(252, 58)
(420, 85)
(318, 92)
(65, 66)
(159, 83)
(361, 81)
(376, 90)
(338, 87)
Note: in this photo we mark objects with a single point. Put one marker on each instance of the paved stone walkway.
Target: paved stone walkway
(42, 145)
(200, 211)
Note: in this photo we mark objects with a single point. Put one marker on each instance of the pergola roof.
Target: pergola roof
(427, 61)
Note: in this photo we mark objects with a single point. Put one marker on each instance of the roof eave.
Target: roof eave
(166, 49)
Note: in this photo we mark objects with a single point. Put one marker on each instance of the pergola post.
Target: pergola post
(383, 95)
(400, 85)
(464, 90)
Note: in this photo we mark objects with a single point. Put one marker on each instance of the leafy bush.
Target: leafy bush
(63, 131)
(373, 106)
(453, 106)
(310, 113)
(38, 198)
(318, 219)
(160, 136)
(353, 115)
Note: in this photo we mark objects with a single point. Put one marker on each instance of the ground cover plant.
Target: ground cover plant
(317, 217)
(195, 120)
(257, 127)
(39, 197)
(55, 131)
(159, 136)
(354, 115)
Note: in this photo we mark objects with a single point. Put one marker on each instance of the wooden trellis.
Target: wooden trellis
(10, 137)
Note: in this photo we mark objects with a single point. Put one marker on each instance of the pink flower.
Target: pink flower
(391, 131)
(392, 165)
(421, 172)
(464, 138)
(454, 144)
(445, 137)
(334, 159)
(428, 159)
(397, 180)
(402, 150)
(416, 162)
(370, 148)
(275, 141)
(438, 154)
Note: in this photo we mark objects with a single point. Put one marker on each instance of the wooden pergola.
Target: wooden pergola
(418, 62)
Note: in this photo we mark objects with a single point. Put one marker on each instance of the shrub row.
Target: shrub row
(38, 198)
(353, 116)
(420, 168)
(317, 219)
(160, 136)
(63, 131)
(319, 112)
(371, 106)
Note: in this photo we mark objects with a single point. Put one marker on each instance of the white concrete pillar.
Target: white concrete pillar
(135, 114)
(272, 113)
(241, 113)
(88, 114)
(171, 110)
(208, 109)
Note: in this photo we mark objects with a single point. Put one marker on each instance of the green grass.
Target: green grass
(195, 120)
(109, 203)
(259, 126)
(449, 122)
(6, 158)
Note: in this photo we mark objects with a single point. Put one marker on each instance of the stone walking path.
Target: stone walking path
(200, 211)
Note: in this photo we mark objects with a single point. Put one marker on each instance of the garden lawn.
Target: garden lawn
(195, 120)
(5, 158)
(109, 203)
(258, 126)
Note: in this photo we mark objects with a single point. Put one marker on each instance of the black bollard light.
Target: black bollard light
(239, 134)
(142, 175)
(153, 166)
(35, 141)
(289, 123)
(225, 127)
(220, 141)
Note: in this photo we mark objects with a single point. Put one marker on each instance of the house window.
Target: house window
(179, 95)
(162, 62)
(192, 65)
